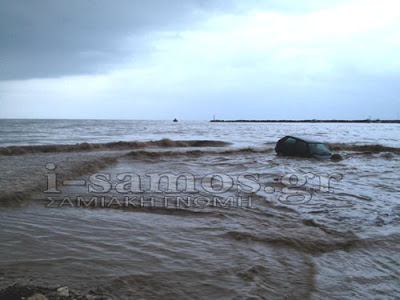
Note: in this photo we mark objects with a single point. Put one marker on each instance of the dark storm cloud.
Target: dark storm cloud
(47, 38)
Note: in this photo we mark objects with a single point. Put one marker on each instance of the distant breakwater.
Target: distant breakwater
(308, 121)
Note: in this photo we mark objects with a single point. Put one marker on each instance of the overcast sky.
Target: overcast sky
(192, 59)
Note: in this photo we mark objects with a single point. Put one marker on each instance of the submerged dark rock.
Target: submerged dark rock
(336, 157)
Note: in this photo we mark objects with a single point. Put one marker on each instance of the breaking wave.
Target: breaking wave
(374, 148)
(164, 143)
(168, 143)
(193, 153)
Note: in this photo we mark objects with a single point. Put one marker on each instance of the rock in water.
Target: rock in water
(379, 221)
(63, 291)
(37, 297)
(336, 157)
(387, 155)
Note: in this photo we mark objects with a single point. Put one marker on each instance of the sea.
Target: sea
(141, 209)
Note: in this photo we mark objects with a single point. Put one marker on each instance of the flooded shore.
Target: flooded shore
(236, 221)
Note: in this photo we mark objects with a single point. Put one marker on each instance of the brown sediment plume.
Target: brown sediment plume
(247, 150)
(157, 154)
(193, 153)
(72, 170)
(373, 148)
(315, 246)
(164, 143)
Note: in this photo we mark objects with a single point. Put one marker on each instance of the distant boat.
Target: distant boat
(175, 120)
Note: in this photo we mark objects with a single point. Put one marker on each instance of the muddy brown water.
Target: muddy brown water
(343, 243)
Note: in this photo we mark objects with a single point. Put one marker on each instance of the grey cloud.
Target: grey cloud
(48, 38)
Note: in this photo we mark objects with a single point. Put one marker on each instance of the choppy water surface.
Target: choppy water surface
(342, 243)
(47, 132)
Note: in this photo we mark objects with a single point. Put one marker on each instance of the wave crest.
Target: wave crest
(193, 153)
(373, 148)
(121, 145)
